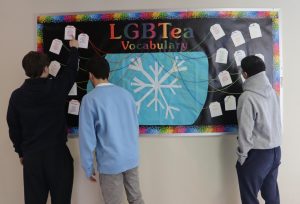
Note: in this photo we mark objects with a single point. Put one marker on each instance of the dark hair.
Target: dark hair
(253, 65)
(34, 63)
(99, 67)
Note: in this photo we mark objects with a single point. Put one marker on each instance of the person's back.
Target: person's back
(116, 125)
(41, 113)
(108, 125)
(37, 128)
(259, 94)
(259, 135)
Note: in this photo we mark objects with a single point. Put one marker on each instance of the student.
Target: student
(37, 128)
(108, 125)
(259, 135)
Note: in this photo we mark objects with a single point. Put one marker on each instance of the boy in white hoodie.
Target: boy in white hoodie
(259, 135)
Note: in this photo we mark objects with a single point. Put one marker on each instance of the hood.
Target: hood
(258, 83)
(38, 87)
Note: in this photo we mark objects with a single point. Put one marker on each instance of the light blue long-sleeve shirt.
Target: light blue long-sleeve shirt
(108, 126)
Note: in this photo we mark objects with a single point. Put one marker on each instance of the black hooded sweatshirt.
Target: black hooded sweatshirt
(36, 111)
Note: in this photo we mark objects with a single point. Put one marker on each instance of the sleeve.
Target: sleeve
(15, 132)
(67, 76)
(246, 120)
(135, 113)
(87, 137)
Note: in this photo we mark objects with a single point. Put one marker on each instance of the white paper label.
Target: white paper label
(73, 107)
(70, 32)
(215, 109)
(237, 38)
(255, 31)
(238, 56)
(225, 78)
(54, 67)
(83, 40)
(230, 103)
(261, 56)
(217, 31)
(222, 56)
(243, 79)
(56, 46)
(73, 91)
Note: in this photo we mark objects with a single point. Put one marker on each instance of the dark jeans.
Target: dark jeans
(47, 171)
(259, 173)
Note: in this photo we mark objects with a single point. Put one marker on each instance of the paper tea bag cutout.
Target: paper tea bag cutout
(56, 46)
(230, 103)
(73, 91)
(255, 31)
(237, 38)
(238, 56)
(54, 67)
(83, 40)
(225, 78)
(217, 31)
(222, 56)
(261, 56)
(215, 109)
(243, 79)
(73, 107)
(70, 32)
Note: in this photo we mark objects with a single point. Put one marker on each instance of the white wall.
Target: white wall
(173, 170)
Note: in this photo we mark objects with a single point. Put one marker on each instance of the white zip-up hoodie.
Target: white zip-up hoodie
(258, 114)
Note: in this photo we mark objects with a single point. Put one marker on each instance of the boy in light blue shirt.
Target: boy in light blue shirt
(108, 126)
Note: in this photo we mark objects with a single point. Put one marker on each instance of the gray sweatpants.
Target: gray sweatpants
(112, 186)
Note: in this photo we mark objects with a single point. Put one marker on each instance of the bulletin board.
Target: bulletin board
(182, 67)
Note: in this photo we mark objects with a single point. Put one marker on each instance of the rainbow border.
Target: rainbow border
(118, 16)
(155, 15)
(166, 130)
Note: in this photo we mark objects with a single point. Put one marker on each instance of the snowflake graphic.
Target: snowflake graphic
(156, 84)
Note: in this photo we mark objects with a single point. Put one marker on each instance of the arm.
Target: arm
(14, 127)
(246, 120)
(87, 137)
(135, 112)
(67, 76)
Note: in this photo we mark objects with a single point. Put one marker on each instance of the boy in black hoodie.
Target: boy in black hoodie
(37, 128)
